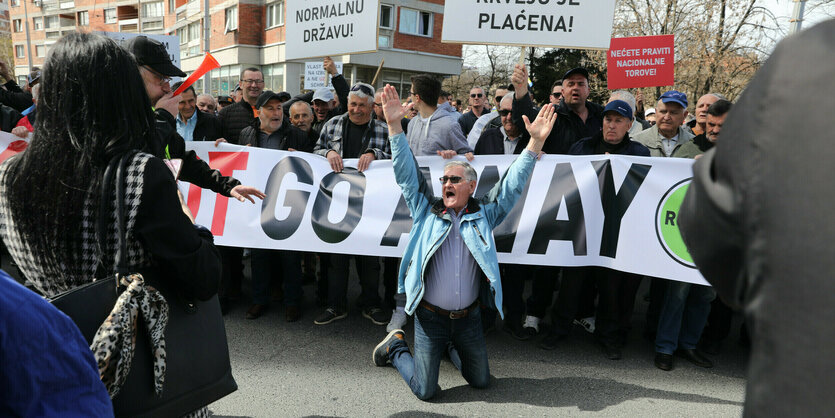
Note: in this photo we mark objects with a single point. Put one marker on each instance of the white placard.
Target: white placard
(558, 222)
(315, 76)
(544, 23)
(319, 28)
(171, 43)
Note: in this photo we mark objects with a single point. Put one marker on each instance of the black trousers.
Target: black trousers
(368, 270)
(232, 261)
(616, 303)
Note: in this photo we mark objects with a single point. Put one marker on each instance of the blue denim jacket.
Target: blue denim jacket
(431, 223)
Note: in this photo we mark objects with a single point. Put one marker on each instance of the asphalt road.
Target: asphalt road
(301, 369)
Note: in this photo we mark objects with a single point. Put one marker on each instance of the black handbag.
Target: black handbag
(197, 355)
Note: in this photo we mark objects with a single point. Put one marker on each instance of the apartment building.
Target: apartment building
(242, 33)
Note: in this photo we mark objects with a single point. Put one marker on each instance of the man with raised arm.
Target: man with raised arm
(450, 250)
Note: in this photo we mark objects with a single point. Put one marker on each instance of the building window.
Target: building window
(66, 4)
(15, 3)
(415, 22)
(37, 22)
(18, 25)
(273, 77)
(384, 41)
(172, 4)
(231, 19)
(83, 18)
(18, 51)
(194, 31)
(183, 34)
(53, 34)
(109, 15)
(152, 9)
(51, 22)
(40, 51)
(275, 14)
(386, 16)
(152, 25)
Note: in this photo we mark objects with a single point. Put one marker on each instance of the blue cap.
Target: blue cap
(619, 106)
(675, 97)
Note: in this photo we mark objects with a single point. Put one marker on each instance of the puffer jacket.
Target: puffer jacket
(431, 223)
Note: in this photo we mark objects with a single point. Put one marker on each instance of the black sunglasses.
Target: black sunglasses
(452, 179)
(503, 112)
(474, 95)
(556, 95)
(363, 88)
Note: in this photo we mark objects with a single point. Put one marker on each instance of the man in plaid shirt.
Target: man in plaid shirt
(354, 135)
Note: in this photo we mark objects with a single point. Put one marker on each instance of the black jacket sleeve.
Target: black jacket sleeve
(342, 89)
(523, 106)
(194, 170)
(14, 97)
(184, 255)
(304, 97)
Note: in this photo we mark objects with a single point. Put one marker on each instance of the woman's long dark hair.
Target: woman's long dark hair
(93, 106)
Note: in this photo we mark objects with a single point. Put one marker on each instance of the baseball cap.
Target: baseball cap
(579, 70)
(34, 76)
(674, 97)
(265, 97)
(224, 99)
(323, 94)
(620, 107)
(152, 53)
(284, 96)
(650, 111)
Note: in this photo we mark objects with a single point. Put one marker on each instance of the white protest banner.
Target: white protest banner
(315, 76)
(318, 28)
(11, 145)
(559, 221)
(170, 42)
(546, 23)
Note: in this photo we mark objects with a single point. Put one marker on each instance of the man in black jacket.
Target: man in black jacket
(273, 131)
(10, 93)
(192, 123)
(243, 113)
(576, 118)
(755, 220)
(156, 69)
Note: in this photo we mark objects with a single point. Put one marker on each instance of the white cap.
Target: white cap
(650, 111)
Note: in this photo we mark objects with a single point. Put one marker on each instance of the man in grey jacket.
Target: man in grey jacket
(668, 135)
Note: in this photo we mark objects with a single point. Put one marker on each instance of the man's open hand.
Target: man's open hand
(242, 193)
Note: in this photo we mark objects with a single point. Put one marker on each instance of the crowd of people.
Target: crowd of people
(353, 122)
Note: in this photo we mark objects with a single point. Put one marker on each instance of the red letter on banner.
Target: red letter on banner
(226, 163)
(13, 148)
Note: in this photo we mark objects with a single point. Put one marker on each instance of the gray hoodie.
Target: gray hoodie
(439, 132)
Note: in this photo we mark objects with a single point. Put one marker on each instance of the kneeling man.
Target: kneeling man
(450, 252)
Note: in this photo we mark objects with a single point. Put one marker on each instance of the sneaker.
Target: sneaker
(329, 316)
(380, 355)
(551, 341)
(586, 323)
(376, 315)
(515, 329)
(398, 320)
(531, 325)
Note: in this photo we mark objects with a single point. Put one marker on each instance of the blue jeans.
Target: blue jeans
(683, 316)
(269, 263)
(432, 332)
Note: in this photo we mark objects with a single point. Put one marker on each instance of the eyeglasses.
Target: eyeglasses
(252, 81)
(163, 80)
(451, 179)
(474, 95)
(556, 95)
(363, 88)
(504, 112)
(411, 93)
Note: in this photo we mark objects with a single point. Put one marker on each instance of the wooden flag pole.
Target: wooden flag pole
(522, 53)
(374, 81)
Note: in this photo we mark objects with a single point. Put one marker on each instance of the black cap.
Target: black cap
(224, 99)
(579, 70)
(152, 53)
(266, 96)
(284, 96)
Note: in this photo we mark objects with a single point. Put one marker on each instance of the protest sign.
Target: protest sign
(11, 145)
(318, 28)
(171, 43)
(545, 23)
(559, 223)
(643, 61)
(315, 76)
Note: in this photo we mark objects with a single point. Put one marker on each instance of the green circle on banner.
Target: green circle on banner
(666, 224)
